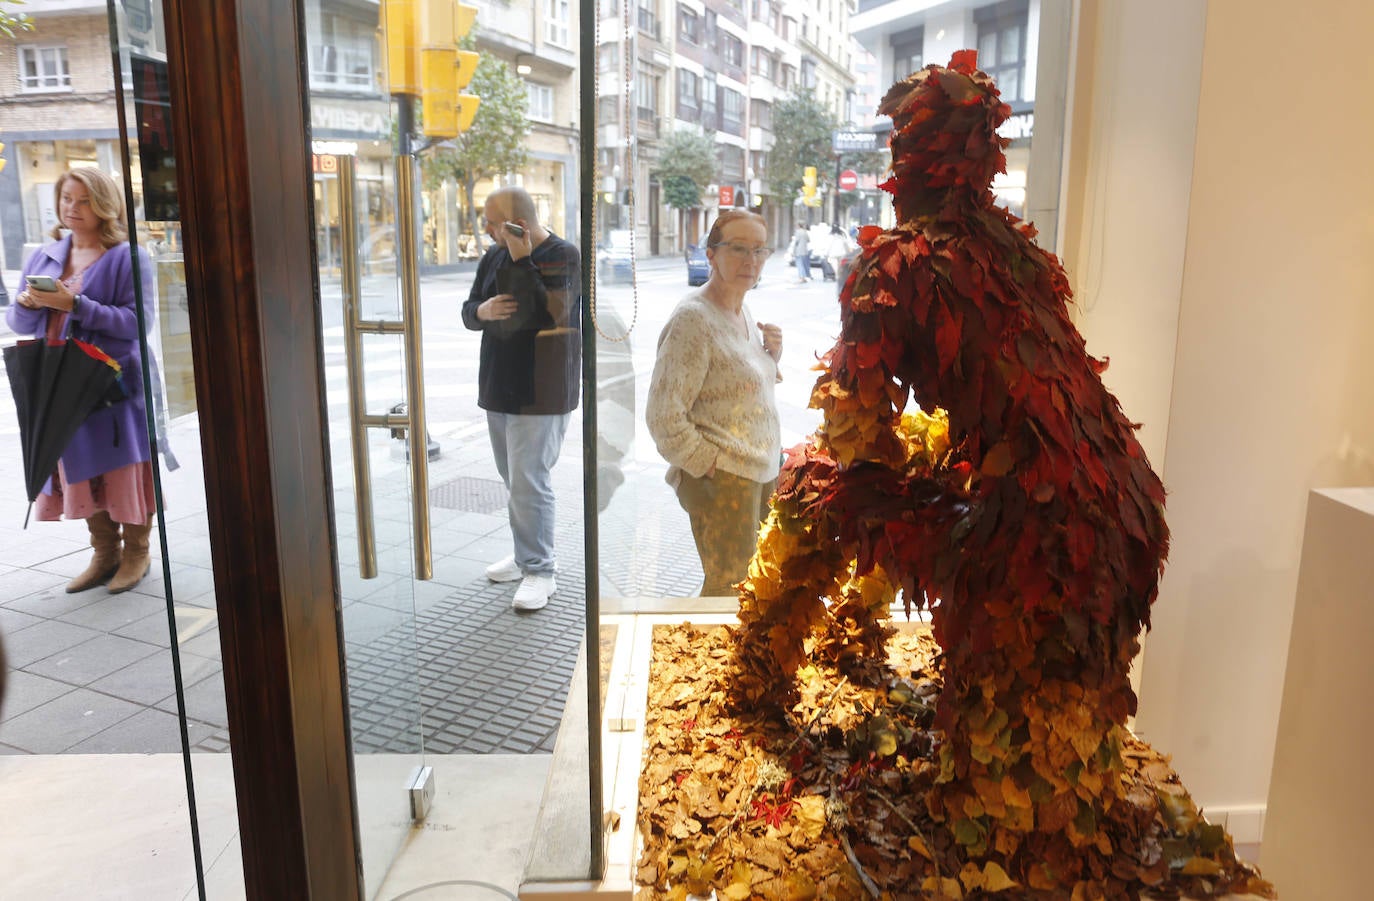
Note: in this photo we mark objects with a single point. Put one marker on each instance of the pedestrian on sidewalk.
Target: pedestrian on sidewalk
(800, 251)
(526, 302)
(712, 410)
(105, 475)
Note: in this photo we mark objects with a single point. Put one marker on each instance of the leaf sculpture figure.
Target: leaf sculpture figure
(1018, 506)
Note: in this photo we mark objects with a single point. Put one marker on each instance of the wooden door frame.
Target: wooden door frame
(237, 78)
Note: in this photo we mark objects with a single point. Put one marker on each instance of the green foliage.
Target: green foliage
(680, 192)
(686, 164)
(875, 163)
(12, 22)
(802, 137)
(495, 144)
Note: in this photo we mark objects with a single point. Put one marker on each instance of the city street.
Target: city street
(93, 673)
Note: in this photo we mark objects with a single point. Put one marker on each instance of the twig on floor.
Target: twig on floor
(869, 885)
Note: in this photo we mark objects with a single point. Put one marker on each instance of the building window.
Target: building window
(1002, 46)
(43, 69)
(556, 22)
(731, 159)
(731, 111)
(608, 110)
(761, 114)
(808, 73)
(646, 95)
(765, 64)
(688, 26)
(344, 59)
(541, 102)
(908, 53)
(140, 14)
(789, 76)
(648, 18)
(688, 94)
(732, 48)
(709, 101)
(608, 58)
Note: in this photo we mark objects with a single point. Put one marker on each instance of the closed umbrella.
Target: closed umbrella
(56, 385)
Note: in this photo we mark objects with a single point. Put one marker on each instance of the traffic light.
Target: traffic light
(423, 60)
(809, 185)
(2, 158)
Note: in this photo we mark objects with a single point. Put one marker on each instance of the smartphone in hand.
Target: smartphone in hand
(42, 282)
(515, 229)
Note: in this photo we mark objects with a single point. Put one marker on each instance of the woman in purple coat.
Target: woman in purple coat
(105, 475)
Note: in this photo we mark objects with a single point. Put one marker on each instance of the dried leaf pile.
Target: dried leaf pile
(830, 801)
(1018, 507)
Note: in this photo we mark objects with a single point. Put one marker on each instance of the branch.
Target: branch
(868, 883)
(753, 789)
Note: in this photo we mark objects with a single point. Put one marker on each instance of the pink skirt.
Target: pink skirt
(125, 493)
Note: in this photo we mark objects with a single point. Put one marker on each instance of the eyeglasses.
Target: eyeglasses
(740, 252)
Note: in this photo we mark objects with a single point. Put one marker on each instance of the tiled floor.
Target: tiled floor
(93, 673)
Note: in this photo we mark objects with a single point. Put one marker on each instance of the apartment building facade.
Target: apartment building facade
(716, 67)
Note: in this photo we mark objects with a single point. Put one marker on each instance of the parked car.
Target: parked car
(615, 257)
(698, 267)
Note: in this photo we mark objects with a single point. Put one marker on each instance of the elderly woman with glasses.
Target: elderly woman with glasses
(711, 406)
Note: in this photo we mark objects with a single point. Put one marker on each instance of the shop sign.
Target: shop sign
(363, 119)
(727, 195)
(1019, 126)
(854, 141)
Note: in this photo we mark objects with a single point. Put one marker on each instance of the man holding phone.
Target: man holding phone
(526, 301)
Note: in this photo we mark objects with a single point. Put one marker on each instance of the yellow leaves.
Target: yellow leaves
(991, 878)
(918, 844)
(999, 460)
(810, 816)
(741, 882)
(700, 875)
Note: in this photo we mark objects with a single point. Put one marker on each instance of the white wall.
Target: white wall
(1144, 61)
(1254, 372)
(1271, 393)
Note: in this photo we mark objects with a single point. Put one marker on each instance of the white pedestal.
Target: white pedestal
(1317, 825)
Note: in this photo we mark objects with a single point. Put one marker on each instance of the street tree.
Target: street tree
(494, 145)
(802, 129)
(11, 22)
(686, 164)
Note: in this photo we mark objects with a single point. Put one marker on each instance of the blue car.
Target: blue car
(698, 267)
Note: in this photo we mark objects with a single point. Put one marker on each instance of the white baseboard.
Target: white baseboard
(1244, 822)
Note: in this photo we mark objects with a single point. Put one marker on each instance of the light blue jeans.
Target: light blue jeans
(526, 448)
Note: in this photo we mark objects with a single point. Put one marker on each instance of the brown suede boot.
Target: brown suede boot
(105, 541)
(133, 564)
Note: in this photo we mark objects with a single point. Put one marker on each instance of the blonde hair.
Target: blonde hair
(106, 202)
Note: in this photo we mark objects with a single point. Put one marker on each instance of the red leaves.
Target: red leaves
(772, 812)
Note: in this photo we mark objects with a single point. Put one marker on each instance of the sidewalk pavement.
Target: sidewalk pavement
(93, 672)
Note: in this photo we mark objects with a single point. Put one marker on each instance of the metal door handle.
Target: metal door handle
(413, 421)
(415, 370)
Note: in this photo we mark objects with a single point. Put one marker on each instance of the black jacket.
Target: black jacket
(532, 362)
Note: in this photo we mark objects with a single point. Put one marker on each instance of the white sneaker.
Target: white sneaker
(534, 592)
(505, 571)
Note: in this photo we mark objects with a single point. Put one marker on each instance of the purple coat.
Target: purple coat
(117, 435)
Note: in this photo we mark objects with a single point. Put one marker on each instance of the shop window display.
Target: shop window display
(809, 751)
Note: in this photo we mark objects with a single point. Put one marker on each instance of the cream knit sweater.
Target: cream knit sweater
(711, 398)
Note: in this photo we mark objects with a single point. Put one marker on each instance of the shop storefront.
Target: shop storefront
(323, 602)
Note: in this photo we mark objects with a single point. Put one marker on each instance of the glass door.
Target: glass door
(371, 367)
